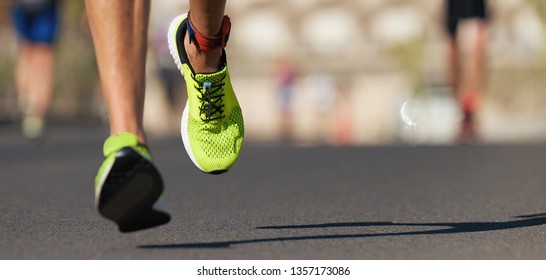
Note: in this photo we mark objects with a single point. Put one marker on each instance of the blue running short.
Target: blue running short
(36, 22)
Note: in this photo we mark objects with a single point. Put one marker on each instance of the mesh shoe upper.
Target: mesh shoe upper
(212, 123)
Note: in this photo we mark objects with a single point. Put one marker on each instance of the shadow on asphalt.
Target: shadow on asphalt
(447, 228)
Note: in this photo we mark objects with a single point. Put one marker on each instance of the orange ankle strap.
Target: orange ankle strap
(205, 43)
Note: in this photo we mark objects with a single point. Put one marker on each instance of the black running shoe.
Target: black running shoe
(128, 187)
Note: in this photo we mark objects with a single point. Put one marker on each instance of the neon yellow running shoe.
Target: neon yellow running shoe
(212, 124)
(128, 186)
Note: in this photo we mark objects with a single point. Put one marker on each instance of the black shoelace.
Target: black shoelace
(211, 101)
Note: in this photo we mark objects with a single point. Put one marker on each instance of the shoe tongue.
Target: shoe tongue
(212, 77)
(118, 141)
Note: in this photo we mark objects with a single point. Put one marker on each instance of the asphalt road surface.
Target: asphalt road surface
(281, 202)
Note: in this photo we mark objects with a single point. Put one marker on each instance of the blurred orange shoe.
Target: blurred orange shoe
(470, 103)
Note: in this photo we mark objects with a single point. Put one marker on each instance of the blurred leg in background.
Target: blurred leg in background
(285, 75)
(36, 25)
(466, 62)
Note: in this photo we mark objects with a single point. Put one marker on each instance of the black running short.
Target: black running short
(457, 10)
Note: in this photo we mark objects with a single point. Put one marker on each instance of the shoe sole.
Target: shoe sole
(130, 190)
(173, 28)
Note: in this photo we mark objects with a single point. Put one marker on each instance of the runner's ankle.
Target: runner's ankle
(201, 61)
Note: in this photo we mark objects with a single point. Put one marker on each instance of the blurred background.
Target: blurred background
(321, 72)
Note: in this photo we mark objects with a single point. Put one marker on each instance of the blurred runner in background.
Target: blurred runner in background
(467, 70)
(285, 75)
(36, 24)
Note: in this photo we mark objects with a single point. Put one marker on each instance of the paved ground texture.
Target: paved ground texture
(281, 202)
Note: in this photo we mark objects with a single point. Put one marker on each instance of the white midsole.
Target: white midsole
(185, 137)
(98, 187)
(172, 40)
